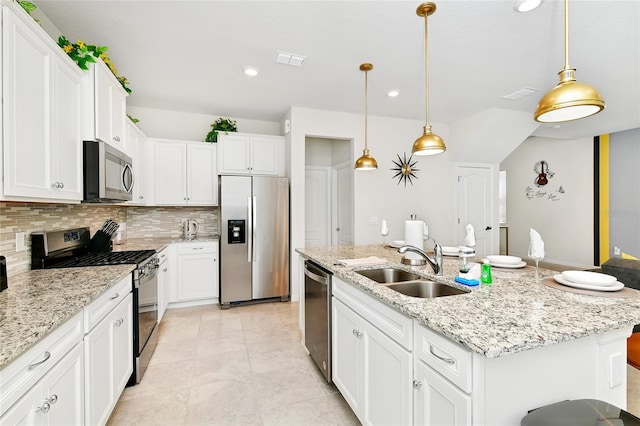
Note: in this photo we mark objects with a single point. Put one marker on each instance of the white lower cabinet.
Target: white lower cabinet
(197, 271)
(372, 371)
(108, 361)
(438, 402)
(165, 271)
(58, 399)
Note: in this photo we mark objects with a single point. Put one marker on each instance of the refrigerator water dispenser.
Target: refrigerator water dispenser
(236, 231)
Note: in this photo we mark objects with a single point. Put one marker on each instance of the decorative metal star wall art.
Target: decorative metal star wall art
(405, 169)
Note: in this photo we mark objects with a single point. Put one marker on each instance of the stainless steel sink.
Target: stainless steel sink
(389, 275)
(410, 284)
(425, 289)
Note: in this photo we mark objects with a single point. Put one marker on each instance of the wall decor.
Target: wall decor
(405, 169)
(543, 174)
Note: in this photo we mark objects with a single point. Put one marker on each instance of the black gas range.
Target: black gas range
(73, 248)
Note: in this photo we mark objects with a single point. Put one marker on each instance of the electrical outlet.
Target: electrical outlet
(20, 244)
(616, 251)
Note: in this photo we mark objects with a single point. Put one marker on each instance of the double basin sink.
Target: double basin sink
(409, 284)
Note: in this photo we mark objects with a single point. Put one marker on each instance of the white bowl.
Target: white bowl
(504, 260)
(589, 278)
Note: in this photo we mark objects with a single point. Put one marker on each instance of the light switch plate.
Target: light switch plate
(20, 244)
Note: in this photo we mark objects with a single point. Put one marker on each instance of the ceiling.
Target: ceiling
(190, 55)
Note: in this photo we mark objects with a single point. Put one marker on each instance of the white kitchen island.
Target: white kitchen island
(483, 358)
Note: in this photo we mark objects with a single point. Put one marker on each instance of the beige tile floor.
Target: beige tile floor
(242, 366)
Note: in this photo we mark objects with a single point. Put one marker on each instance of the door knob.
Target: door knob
(488, 228)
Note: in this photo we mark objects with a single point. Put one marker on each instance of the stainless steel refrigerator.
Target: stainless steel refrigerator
(254, 241)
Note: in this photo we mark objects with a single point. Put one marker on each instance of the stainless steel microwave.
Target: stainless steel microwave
(108, 174)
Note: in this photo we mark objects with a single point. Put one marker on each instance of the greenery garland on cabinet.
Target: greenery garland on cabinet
(81, 53)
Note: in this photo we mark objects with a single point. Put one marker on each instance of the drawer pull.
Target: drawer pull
(447, 360)
(47, 355)
(115, 296)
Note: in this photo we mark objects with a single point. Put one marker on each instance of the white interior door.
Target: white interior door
(342, 217)
(317, 206)
(475, 197)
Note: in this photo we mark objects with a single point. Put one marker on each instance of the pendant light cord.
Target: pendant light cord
(566, 34)
(426, 68)
(366, 103)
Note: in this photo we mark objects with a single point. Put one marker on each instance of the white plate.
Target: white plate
(450, 251)
(560, 278)
(504, 260)
(396, 243)
(589, 278)
(522, 264)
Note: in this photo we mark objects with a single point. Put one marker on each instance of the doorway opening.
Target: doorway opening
(328, 192)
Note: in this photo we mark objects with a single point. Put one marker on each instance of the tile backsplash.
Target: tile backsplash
(141, 222)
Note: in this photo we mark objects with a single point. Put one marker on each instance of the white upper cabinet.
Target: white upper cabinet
(250, 154)
(136, 148)
(185, 173)
(41, 115)
(107, 105)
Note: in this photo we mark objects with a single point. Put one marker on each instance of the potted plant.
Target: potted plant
(220, 125)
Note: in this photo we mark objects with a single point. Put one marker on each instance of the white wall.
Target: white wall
(566, 225)
(432, 197)
(161, 123)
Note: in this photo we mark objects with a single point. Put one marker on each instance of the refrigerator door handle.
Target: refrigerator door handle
(254, 227)
(250, 230)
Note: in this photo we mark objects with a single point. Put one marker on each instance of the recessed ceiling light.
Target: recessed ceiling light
(526, 5)
(393, 93)
(251, 72)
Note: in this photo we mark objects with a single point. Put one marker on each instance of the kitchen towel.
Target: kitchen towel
(470, 238)
(414, 236)
(536, 245)
(384, 229)
(363, 261)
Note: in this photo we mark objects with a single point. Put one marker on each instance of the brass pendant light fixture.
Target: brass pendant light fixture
(429, 143)
(366, 162)
(569, 100)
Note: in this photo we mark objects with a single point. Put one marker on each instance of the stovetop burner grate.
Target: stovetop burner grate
(103, 259)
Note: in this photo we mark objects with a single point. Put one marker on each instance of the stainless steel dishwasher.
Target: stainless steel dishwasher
(317, 315)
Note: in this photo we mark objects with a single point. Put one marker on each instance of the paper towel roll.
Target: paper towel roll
(414, 236)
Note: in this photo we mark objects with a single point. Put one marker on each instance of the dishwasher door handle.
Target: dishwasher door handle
(318, 278)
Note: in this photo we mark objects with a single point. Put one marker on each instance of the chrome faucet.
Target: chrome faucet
(436, 264)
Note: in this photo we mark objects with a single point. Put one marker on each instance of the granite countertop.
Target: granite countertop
(513, 314)
(39, 301)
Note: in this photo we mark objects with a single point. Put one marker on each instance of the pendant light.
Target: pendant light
(428, 143)
(366, 162)
(569, 100)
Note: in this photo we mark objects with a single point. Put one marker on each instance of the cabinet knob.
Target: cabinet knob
(45, 408)
(118, 322)
(141, 197)
(53, 399)
(61, 185)
(57, 185)
(357, 332)
(417, 384)
(116, 138)
(164, 270)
